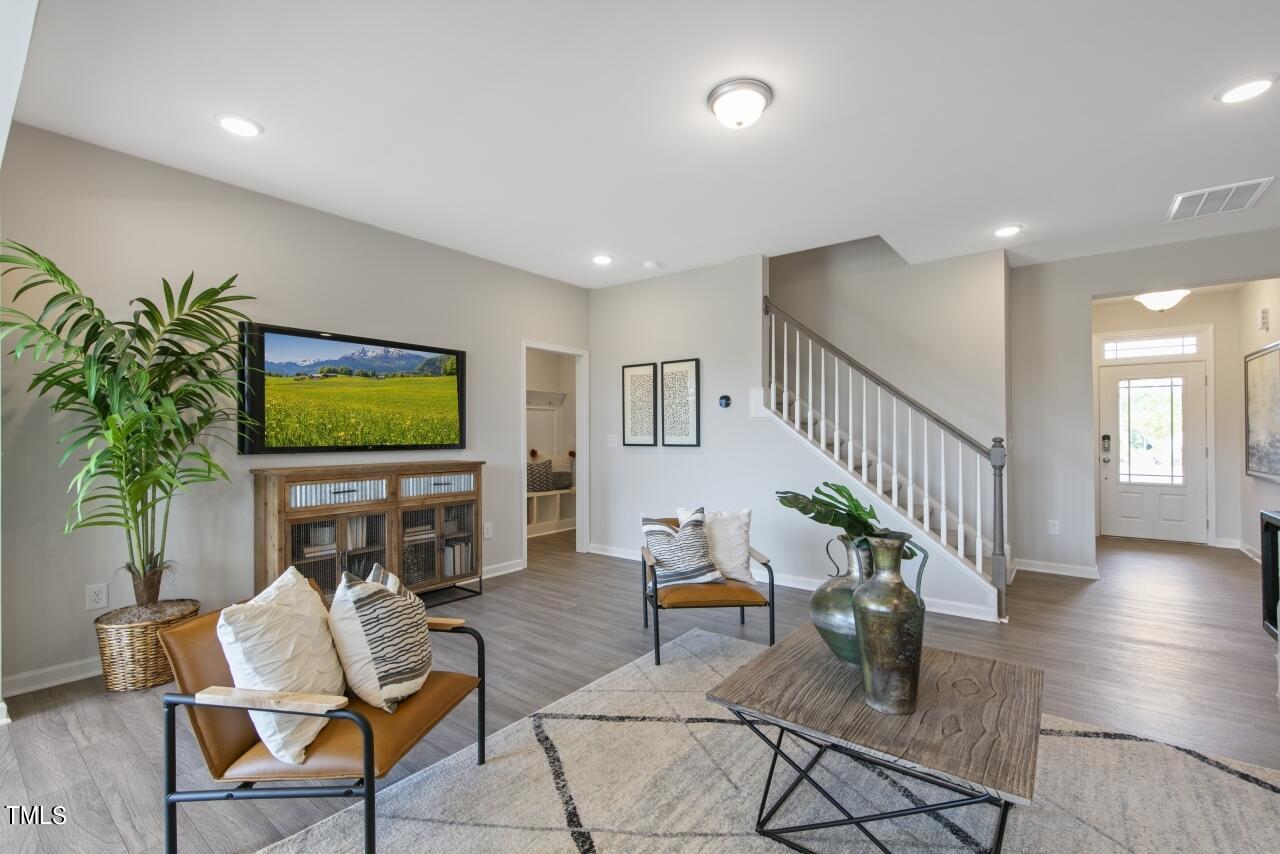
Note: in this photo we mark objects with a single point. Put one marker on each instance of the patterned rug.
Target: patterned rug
(640, 761)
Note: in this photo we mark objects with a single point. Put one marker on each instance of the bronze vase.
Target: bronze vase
(890, 628)
(831, 605)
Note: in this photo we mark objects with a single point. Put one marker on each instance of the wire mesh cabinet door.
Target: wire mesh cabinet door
(418, 547)
(364, 542)
(313, 550)
(459, 555)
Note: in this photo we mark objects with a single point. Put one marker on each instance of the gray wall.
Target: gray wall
(117, 224)
(711, 314)
(935, 330)
(1256, 494)
(1052, 459)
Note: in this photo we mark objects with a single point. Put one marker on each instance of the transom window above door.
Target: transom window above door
(1142, 348)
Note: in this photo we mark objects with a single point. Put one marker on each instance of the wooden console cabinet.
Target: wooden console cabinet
(421, 521)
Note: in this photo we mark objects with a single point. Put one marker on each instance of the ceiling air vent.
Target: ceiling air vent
(1216, 200)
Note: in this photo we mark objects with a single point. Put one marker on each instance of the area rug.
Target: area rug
(640, 761)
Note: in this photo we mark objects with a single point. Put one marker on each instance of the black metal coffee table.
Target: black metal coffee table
(974, 733)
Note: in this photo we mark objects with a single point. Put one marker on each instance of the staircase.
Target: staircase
(946, 486)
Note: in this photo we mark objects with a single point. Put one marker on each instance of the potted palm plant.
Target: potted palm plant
(145, 394)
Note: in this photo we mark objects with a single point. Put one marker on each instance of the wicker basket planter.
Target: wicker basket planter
(132, 658)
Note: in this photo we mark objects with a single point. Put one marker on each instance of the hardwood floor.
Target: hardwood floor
(1168, 644)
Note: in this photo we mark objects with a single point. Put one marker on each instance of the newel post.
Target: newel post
(998, 568)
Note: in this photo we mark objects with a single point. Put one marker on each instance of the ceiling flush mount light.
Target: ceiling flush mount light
(602, 260)
(652, 265)
(239, 125)
(1162, 300)
(739, 103)
(1007, 230)
(1244, 90)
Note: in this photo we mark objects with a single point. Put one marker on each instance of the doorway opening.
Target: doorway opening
(1154, 433)
(554, 444)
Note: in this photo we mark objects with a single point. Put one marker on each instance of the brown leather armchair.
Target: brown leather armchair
(360, 743)
(726, 593)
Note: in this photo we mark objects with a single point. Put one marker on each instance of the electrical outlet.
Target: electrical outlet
(95, 597)
(1055, 527)
(488, 530)
(611, 440)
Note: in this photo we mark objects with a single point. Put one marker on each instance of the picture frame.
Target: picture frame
(681, 403)
(1262, 413)
(640, 404)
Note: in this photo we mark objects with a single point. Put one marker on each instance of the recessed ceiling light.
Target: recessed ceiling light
(1243, 90)
(1007, 230)
(239, 125)
(739, 103)
(602, 260)
(1161, 300)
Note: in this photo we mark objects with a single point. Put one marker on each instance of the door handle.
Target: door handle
(1106, 459)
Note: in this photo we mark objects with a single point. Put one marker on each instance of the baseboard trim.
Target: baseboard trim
(615, 551)
(4, 713)
(47, 677)
(73, 671)
(1250, 552)
(505, 568)
(1049, 568)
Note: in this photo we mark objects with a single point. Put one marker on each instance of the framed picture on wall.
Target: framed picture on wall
(640, 404)
(1262, 412)
(681, 421)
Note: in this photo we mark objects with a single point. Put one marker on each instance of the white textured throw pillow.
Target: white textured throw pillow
(380, 631)
(279, 641)
(729, 540)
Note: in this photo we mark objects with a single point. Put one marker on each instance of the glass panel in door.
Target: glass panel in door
(1151, 441)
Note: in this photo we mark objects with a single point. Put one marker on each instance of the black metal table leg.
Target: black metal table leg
(968, 797)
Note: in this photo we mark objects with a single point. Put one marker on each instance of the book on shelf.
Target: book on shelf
(319, 550)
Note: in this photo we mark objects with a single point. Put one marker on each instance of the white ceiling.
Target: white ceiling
(539, 134)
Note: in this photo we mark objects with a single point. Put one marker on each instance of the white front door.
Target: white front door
(1152, 451)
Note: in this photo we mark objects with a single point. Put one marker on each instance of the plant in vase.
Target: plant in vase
(831, 606)
(145, 392)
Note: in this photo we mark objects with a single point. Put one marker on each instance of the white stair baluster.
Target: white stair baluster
(773, 362)
(784, 371)
(849, 446)
(942, 484)
(865, 474)
(797, 403)
(960, 498)
(879, 443)
(911, 465)
(893, 472)
(835, 406)
(810, 401)
(977, 511)
(822, 377)
(925, 461)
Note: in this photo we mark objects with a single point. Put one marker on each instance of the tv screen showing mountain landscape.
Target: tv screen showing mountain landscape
(324, 392)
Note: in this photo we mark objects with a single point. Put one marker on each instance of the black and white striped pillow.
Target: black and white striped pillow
(381, 637)
(681, 554)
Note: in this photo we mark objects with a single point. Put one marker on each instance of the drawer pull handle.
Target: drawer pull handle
(343, 491)
(442, 483)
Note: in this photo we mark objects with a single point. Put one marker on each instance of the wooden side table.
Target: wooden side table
(975, 731)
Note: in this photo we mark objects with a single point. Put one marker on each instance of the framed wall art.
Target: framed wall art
(1262, 413)
(681, 421)
(640, 404)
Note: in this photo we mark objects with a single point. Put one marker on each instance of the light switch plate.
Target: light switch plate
(1055, 527)
(488, 530)
(611, 440)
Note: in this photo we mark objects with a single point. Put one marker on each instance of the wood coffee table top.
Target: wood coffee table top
(977, 721)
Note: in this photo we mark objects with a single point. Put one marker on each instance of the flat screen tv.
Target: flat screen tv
(321, 391)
